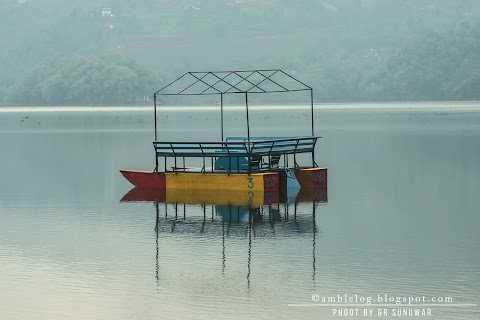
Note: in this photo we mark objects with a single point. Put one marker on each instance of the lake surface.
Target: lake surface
(402, 218)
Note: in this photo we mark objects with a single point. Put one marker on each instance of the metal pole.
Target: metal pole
(221, 111)
(248, 121)
(313, 134)
(155, 117)
(311, 101)
(248, 135)
(155, 113)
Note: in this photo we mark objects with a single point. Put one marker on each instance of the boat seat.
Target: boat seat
(256, 162)
(274, 161)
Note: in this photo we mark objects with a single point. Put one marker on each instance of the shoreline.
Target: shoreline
(410, 106)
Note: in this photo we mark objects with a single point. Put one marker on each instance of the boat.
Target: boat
(254, 165)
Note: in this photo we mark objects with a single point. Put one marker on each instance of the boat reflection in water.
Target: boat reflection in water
(228, 214)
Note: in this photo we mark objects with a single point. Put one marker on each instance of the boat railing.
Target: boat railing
(238, 154)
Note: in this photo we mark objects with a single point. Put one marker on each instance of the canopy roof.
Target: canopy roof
(227, 82)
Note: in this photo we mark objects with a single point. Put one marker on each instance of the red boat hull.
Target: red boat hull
(145, 179)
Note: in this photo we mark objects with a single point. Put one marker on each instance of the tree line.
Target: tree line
(84, 80)
(377, 50)
(437, 66)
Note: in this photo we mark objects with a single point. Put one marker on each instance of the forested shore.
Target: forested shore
(348, 51)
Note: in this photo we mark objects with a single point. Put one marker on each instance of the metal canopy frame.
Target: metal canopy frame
(222, 82)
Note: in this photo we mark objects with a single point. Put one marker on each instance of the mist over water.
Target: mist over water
(401, 217)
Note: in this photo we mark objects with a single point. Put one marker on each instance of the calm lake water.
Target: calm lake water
(402, 218)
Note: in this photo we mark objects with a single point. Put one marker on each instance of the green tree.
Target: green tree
(76, 80)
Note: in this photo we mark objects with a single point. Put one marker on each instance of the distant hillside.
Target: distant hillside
(320, 40)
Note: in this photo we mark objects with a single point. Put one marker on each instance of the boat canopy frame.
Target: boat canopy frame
(260, 81)
(221, 83)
